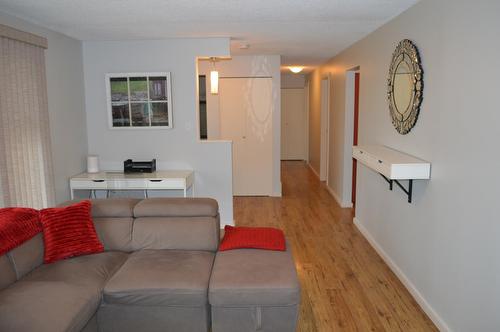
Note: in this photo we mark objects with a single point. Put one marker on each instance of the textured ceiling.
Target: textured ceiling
(304, 32)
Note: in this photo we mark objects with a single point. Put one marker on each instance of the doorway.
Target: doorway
(293, 124)
(351, 133)
(355, 138)
(325, 129)
(202, 88)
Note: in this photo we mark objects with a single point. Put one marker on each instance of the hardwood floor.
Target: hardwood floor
(346, 286)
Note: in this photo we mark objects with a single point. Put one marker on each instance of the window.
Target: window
(26, 172)
(139, 100)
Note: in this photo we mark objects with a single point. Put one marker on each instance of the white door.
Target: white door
(245, 106)
(293, 125)
(325, 118)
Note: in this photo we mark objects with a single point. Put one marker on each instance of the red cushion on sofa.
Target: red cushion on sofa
(17, 225)
(253, 237)
(69, 231)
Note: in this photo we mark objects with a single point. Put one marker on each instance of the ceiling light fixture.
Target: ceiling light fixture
(214, 78)
(296, 69)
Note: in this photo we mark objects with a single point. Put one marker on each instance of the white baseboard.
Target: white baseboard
(436, 319)
(314, 171)
(343, 205)
(330, 190)
(279, 192)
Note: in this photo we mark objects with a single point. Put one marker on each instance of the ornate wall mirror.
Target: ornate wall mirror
(405, 86)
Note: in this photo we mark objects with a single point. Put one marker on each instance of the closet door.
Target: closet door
(245, 106)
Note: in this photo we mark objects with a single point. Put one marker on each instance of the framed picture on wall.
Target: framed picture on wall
(139, 100)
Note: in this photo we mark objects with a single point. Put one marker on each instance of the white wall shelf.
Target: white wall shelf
(393, 165)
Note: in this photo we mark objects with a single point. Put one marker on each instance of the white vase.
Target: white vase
(92, 164)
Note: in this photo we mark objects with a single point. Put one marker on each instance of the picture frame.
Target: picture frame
(139, 100)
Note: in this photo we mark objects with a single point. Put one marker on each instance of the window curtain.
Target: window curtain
(26, 174)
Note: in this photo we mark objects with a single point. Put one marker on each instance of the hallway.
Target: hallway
(346, 286)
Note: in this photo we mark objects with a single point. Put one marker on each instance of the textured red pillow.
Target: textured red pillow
(68, 232)
(17, 225)
(252, 237)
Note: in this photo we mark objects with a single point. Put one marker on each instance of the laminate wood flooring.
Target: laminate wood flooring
(346, 286)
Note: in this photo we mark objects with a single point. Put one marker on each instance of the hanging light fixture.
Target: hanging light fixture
(214, 78)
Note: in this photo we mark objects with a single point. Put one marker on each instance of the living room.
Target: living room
(79, 97)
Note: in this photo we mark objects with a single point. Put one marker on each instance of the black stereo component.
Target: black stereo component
(130, 166)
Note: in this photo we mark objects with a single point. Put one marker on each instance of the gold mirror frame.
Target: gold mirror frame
(405, 120)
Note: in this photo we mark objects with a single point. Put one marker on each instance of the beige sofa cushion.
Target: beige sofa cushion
(254, 277)
(46, 306)
(182, 233)
(89, 270)
(61, 296)
(161, 278)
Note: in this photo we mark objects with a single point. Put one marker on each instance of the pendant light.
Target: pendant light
(214, 78)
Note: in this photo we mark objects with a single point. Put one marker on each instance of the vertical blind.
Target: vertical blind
(26, 173)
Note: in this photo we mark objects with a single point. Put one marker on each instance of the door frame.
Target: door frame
(355, 133)
(324, 160)
(347, 190)
(306, 101)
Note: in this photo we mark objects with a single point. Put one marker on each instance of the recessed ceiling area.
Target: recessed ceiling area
(305, 33)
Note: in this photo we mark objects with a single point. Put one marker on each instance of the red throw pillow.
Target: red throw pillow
(69, 231)
(17, 225)
(253, 237)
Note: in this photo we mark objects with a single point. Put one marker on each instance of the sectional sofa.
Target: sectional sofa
(161, 271)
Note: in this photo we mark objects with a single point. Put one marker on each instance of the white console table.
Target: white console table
(159, 180)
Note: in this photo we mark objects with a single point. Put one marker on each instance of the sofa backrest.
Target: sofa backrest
(7, 272)
(157, 223)
(27, 256)
(21, 260)
(176, 223)
(113, 221)
(125, 224)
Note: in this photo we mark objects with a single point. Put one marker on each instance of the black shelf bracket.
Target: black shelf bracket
(408, 191)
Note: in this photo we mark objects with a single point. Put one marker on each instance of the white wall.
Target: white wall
(248, 66)
(293, 81)
(64, 66)
(445, 244)
(175, 148)
(314, 123)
